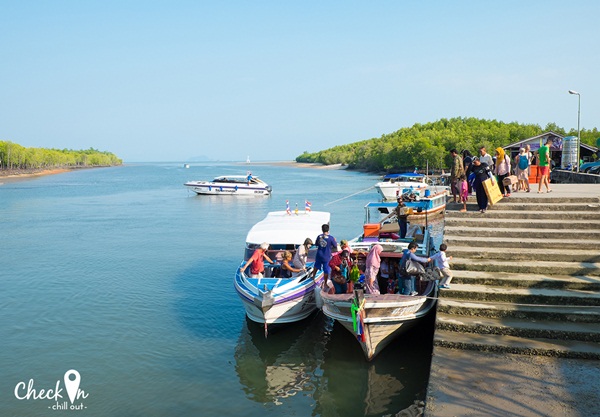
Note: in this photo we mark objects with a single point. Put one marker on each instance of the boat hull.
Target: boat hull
(212, 188)
(283, 301)
(385, 316)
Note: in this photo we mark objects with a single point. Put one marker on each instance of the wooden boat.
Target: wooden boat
(272, 299)
(376, 320)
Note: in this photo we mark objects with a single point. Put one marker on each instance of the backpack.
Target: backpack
(523, 162)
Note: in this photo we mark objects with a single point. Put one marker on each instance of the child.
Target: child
(441, 261)
(463, 188)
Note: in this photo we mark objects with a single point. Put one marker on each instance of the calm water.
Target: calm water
(125, 276)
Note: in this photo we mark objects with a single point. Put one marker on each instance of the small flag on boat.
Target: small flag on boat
(287, 207)
(307, 205)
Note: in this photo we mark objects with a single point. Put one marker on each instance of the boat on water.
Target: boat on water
(376, 320)
(273, 299)
(231, 185)
(394, 185)
(423, 201)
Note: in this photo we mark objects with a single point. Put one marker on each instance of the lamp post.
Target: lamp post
(578, 119)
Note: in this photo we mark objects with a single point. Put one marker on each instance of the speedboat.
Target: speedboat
(231, 185)
(376, 319)
(273, 299)
(394, 184)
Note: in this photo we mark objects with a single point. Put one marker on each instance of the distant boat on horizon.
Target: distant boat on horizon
(248, 159)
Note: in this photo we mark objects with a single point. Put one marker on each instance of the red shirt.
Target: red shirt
(258, 265)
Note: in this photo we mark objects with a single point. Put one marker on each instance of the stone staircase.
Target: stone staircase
(526, 278)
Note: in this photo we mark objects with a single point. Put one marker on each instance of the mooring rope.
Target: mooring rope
(348, 196)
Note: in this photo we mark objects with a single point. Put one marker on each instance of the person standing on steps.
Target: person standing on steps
(482, 172)
(486, 158)
(456, 170)
(502, 171)
(544, 164)
(522, 168)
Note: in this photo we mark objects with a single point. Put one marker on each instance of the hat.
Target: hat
(475, 159)
(264, 246)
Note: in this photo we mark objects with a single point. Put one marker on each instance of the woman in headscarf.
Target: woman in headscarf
(372, 269)
(502, 171)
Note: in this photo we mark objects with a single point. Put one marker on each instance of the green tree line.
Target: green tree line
(15, 156)
(414, 146)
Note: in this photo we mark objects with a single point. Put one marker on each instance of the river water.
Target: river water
(126, 277)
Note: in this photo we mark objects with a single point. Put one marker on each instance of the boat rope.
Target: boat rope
(348, 196)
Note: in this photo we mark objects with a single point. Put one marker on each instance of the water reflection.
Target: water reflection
(319, 360)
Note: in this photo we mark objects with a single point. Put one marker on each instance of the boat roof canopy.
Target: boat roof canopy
(392, 204)
(406, 175)
(281, 228)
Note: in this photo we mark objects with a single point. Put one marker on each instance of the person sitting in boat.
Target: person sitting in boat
(287, 270)
(409, 281)
(258, 266)
(340, 265)
(301, 255)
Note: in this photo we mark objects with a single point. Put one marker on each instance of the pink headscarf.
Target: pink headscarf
(373, 258)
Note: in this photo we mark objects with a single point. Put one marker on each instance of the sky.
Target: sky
(226, 80)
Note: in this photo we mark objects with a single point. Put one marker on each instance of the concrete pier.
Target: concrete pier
(518, 332)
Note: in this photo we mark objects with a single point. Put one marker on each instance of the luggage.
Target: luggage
(510, 180)
(491, 189)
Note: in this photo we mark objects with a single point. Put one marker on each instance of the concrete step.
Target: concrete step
(523, 242)
(585, 332)
(519, 205)
(560, 253)
(501, 213)
(538, 267)
(487, 229)
(579, 314)
(519, 345)
(537, 296)
(482, 220)
(525, 280)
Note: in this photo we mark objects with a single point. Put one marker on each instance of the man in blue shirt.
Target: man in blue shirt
(325, 245)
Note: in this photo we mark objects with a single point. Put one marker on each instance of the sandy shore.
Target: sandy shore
(16, 174)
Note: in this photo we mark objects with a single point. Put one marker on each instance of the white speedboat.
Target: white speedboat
(272, 299)
(231, 185)
(394, 184)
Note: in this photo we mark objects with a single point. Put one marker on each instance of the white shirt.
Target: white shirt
(440, 260)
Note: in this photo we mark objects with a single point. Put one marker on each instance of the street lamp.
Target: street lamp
(578, 119)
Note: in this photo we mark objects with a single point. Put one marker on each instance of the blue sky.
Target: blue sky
(173, 80)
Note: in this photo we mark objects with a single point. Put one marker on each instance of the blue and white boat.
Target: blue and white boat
(272, 299)
(393, 185)
(231, 185)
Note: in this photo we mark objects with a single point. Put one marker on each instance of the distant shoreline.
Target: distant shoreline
(23, 174)
(311, 165)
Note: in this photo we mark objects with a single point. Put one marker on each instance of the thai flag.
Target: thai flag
(287, 207)
(307, 205)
